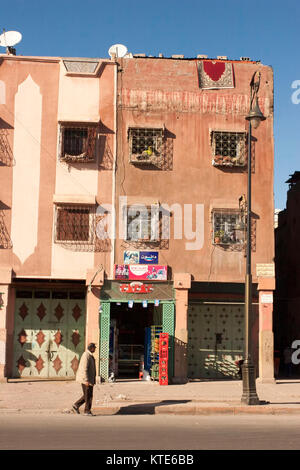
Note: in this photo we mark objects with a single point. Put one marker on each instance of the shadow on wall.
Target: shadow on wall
(5, 240)
(6, 154)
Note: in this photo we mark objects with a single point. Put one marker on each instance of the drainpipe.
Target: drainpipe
(113, 221)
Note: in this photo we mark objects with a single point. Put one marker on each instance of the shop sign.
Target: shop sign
(140, 257)
(265, 270)
(136, 288)
(131, 257)
(148, 257)
(266, 298)
(140, 272)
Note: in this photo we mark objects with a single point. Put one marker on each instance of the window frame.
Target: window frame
(156, 151)
(90, 240)
(240, 150)
(152, 222)
(221, 233)
(89, 155)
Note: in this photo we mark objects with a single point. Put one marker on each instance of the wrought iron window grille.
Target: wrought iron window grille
(229, 149)
(78, 143)
(142, 224)
(146, 146)
(80, 228)
(229, 228)
(74, 224)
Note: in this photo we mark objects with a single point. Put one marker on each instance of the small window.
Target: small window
(228, 227)
(78, 144)
(73, 224)
(142, 223)
(145, 145)
(229, 148)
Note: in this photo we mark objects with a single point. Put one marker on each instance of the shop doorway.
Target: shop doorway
(129, 337)
(141, 327)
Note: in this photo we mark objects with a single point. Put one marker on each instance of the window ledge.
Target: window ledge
(74, 199)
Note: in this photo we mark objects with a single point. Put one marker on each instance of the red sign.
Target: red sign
(136, 288)
(163, 358)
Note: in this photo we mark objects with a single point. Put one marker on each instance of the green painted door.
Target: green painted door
(49, 333)
(215, 340)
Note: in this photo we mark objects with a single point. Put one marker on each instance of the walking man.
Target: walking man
(86, 375)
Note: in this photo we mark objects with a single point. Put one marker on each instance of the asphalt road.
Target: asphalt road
(146, 432)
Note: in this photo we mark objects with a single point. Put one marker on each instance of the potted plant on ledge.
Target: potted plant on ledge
(218, 235)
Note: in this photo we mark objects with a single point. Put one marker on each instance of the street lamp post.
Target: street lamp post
(254, 118)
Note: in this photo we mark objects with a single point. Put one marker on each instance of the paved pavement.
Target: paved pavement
(143, 397)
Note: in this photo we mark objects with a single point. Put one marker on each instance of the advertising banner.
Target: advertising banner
(140, 272)
(140, 257)
(149, 257)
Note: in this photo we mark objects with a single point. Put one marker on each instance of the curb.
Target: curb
(144, 409)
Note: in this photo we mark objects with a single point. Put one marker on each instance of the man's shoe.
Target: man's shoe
(75, 409)
(88, 414)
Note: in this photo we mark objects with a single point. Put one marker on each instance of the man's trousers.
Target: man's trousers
(86, 398)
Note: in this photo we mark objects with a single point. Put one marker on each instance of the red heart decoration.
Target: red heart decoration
(214, 70)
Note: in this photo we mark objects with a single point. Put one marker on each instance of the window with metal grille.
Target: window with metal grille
(229, 148)
(228, 227)
(73, 224)
(142, 223)
(78, 144)
(144, 144)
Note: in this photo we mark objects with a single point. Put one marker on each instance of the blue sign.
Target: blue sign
(148, 257)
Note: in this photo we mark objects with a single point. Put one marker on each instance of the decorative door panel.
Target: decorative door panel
(22, 337)
(49, 334)
(39, 351)
(58, 365)
(40, 334)
(75, 348)
(23, 309)
(40, 313)
(215, 341)
(76, 334)
(22, 363)
(76, 313)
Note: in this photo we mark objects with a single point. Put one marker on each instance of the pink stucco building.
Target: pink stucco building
(123, 187)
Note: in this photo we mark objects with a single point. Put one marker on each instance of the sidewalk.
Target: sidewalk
(141, 397)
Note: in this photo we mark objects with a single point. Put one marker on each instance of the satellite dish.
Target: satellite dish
(10, 38)
(118, 49)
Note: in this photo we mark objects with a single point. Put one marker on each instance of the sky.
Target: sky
(266, 30)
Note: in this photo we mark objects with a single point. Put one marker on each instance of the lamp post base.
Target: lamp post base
(249, 396)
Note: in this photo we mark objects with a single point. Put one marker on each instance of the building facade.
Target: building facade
(287, 298)
(123, 214)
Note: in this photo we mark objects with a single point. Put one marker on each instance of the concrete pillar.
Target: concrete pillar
(182, 284)
(266, 336)
(5, 280)
(94, 282)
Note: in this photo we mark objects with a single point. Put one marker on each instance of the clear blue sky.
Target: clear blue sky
(266, 30)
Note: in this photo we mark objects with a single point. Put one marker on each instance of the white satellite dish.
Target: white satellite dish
(118, 49)
(10, 38)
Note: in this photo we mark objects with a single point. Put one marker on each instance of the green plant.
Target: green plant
(219, 233)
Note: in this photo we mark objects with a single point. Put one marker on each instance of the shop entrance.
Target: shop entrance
(129, 337)
(139, 326)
